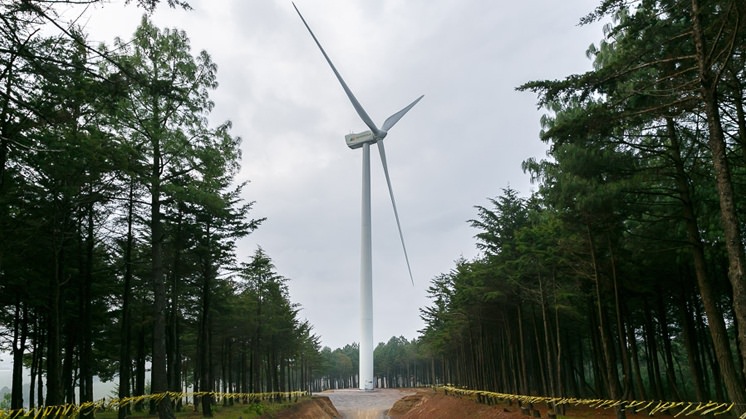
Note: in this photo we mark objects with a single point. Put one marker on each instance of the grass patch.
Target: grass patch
(245, 411)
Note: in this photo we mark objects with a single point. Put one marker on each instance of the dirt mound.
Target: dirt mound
(405, 404)
(318, 407)
(432, 405)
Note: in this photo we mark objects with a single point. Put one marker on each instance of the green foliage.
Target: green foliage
(251, 410)
(601, 261)
(256, 409)
(118, 199)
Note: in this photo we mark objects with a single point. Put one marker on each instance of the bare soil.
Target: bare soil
(428, 404)
(431, 405)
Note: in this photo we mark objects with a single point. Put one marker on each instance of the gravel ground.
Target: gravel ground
(356, 404)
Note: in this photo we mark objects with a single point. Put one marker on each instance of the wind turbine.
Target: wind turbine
(364, 140)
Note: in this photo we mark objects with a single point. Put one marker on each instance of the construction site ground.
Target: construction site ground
(429, 404)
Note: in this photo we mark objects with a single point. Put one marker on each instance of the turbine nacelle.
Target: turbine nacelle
(368, 137)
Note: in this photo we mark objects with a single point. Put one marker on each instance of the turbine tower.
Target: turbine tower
(364, 140)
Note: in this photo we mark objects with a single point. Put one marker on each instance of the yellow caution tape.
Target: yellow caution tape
(687, 408)
(69, 410)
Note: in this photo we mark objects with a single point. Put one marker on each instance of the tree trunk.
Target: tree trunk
(20, 331)
(708, 80)
(205, 338)
(173, 344)
(606, 340)
(523, 376)
(54, 364)
(140, 366)
(639, 385)
(68, 362)
(600, 378)
(159, 375)
(667, 350)
(654, 376)
(560, 390)
(551, 373)
(125, 359)
(86, 341)
(35, 363)
(539, 359)
(626, 369)
(689, 333)
(714, 315)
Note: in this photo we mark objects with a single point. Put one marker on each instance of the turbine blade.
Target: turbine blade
(382, 152)
(393, 119)
(358, 107)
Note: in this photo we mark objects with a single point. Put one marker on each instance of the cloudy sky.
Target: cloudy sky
(463, 143)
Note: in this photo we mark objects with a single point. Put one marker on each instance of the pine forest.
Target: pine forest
(621, 277)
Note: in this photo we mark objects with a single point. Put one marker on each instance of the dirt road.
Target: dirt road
(356, 404)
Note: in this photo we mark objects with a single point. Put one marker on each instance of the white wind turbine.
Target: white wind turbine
(364, 140)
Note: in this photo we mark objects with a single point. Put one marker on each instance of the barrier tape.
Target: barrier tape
(68, 410)
(687, 408)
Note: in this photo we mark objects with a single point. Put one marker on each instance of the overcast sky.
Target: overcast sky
(462, 144)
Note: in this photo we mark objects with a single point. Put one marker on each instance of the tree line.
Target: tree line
(622, 276)
(120, 210)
